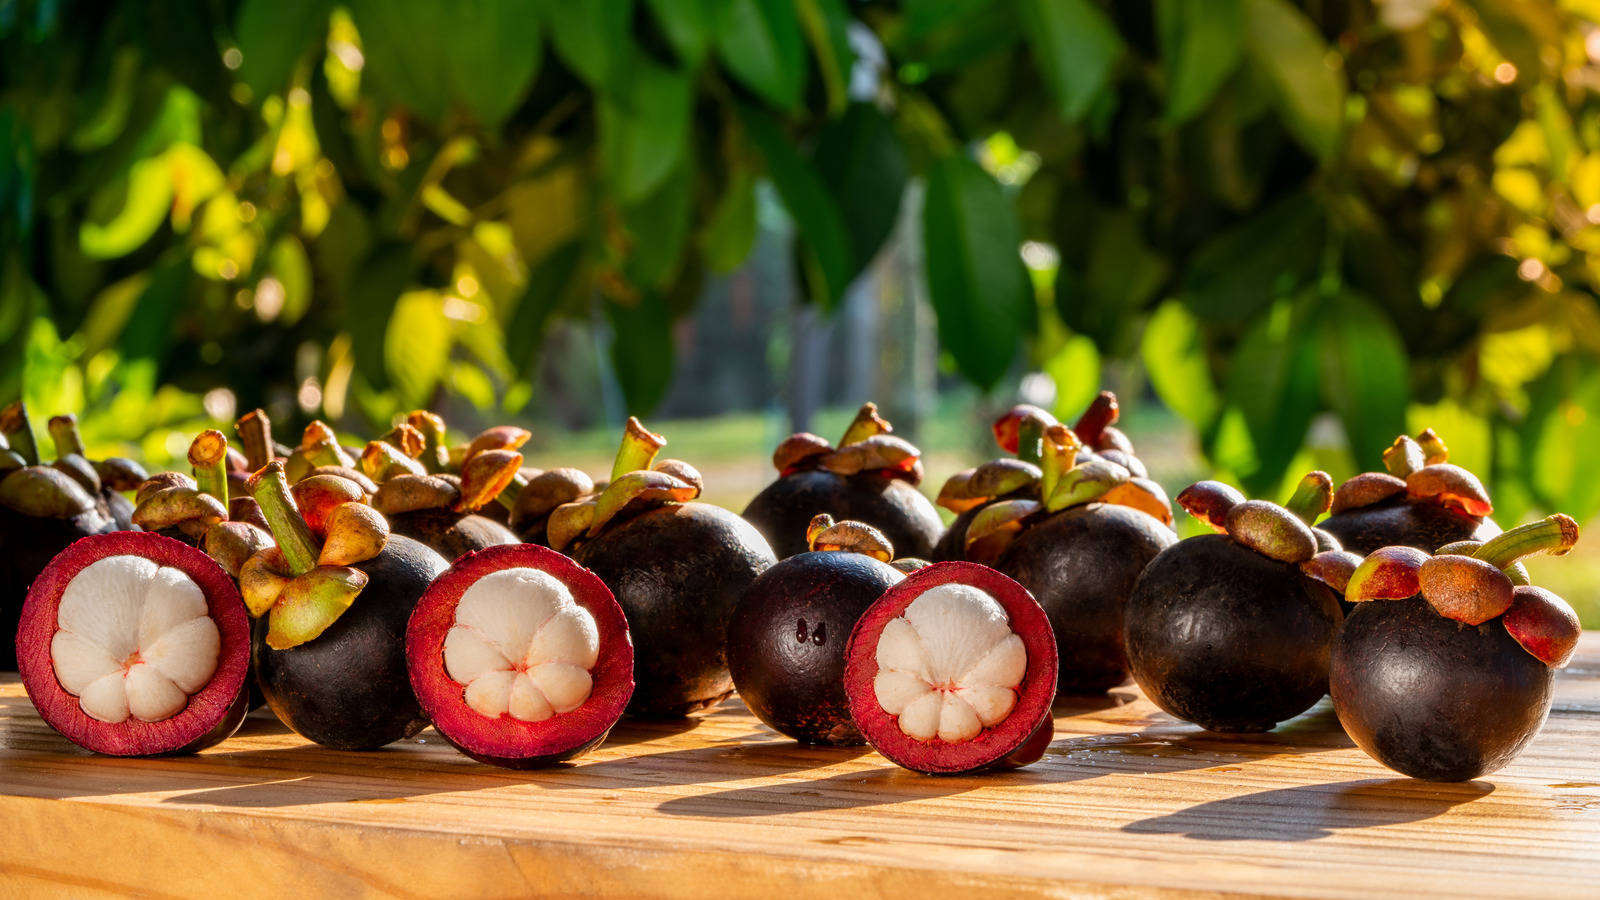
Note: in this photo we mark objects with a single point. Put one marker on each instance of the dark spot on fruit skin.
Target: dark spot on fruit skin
(1081, 564)
(678, 571)
(891, 505)
(349, 688)
(27, 544)
(1231, 640)
(451, 534)
(788, 673)
(1432, 698)
(1404, 522)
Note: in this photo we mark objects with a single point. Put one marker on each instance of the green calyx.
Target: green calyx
(1312, 497)
(435, 451)
(1555, 535)
(866, 424)
(638, 450)
(294, 538)
(18, 430)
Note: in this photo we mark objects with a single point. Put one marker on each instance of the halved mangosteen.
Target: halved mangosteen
(1444, 670)
(786, 640)
(1421, 501)
(1232, 631)
(133, 644)
(520, 657)
(953, 670)
(871, 477)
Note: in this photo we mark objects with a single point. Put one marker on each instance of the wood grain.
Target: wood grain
(1128, 803)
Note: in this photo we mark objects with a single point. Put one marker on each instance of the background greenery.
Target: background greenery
(1304, 226)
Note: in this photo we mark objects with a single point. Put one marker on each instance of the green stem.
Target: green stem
(638, 450)
(1030, 439)
(508, 495)
(1554, 535)
(867, 423)
(19, 432)
(289, 528)
(255, 433)
(64, 431)
(435, 454)
(1312, 498)
(208, 454)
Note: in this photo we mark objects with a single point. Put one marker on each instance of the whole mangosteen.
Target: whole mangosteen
(676, 566)
(1422, 501)
(871, 477)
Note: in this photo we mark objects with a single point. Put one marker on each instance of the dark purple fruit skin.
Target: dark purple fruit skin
(952, 545)
(1403, 522)
(348, 688)
(894, 506)
(678, 571)
(450, 534)
(1228, 639)
(787, 638)
(1081, 564)
(1432, 698)
(27, 545)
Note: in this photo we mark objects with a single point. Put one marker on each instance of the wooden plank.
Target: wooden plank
(1127, 803)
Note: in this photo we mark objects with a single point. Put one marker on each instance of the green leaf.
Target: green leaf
(1075, 369)
(495, 49)
(1309, 95)
(550, 287)
(816, 215)
(1175, 359)
(659, 225)
(416, 345)
(688, 26)
(1244, 269)
(130, 210)
(273, 35)
(731, 231)
(1201, 41)
(642, 351)
(1075, 46)
(761, 44)
(287, 262)
(644, 128)
(373, 294)
(1272, 386)
(153, 326)
(975, 277)
(1559, 436)
(1366, 377)
(591, 37)
(826, 26)
(864, 165)
(1124, 274)
(404, 68)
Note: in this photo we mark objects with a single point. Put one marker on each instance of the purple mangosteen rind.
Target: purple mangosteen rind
(209, 716)
(993, 746)
(892, 505)
(507, 741)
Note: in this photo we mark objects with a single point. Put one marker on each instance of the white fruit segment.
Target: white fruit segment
(949, 666)
(133, 639)
(522, 646)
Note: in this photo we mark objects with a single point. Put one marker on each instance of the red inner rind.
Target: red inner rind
(1034, 695)
(60, 709)
(505, 737)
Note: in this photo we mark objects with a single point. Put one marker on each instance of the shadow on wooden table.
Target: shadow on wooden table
(1314, 811)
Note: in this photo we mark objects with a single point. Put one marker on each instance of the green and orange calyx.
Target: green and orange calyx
(1277, 532)
(307, 578)
(1419, 469)
(199, 507)
(1055, 468)
(823, 534)
(638, 482)
(867, 447)
(1474, 582)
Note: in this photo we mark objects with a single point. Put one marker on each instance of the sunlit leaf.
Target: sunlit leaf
(1366, 377)
(642, 351)
(1308, 92)
(1561, 430)
(1469, 435)
(473, 383)
(1076, 47)
(273, 35)
(644, 126)
(1201, 41)
(730, 232)
(761, 44)
(975, 277)
(1273, 386)
(1075, 369)
(1175, 359)
(135, 208)
(416, 345)
(287, 262)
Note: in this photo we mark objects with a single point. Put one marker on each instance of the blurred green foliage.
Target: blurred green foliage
(1382, 211)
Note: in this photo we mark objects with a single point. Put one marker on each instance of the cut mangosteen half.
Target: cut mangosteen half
(520, 656)
(953, 670)
(134, 644)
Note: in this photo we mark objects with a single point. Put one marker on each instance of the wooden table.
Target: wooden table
(1128, 802)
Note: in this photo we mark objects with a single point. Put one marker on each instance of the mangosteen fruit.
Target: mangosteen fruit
(953, 670)
(871, 477)
(1444, 670)
(1421, 501)
(787, 636)
(1075, 528)
(134, 644)
(538, 495)
(329, 640)
(520, 656)
(108, 479)
(1232, 631)
(677, 567)
(443, 510)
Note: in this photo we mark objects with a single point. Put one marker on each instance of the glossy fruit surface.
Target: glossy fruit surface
(892, 505)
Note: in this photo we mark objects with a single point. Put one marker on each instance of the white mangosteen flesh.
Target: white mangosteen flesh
(133, 639)
(949, 666)
(522, 646)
